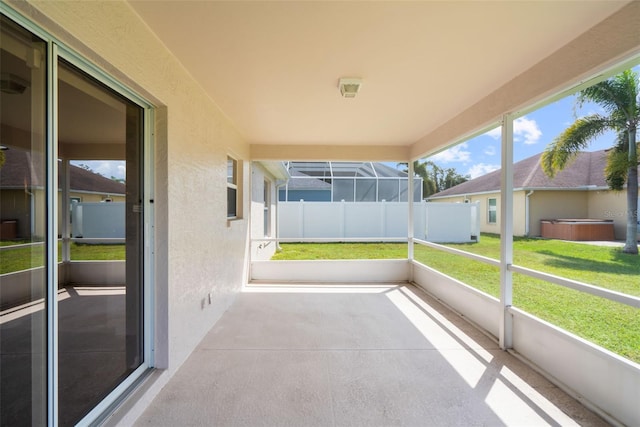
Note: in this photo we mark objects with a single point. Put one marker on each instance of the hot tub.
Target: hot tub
(577, 229)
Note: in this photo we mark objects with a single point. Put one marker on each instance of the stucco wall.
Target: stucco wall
(610, 205)
(94, 197)
(485, 226)
(556, 205)
(542, 205)
(197, 250)
(15, 205)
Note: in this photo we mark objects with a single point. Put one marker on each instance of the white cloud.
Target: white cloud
(481, 169)
(495, 133)
(453, 154)
(490, 150)
(107, 168)
(524, 130)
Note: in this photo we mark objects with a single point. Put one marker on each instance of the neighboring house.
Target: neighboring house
(578, 191)
(23, 192)
(348, 181)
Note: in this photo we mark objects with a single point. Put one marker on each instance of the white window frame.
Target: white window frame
(232, 185)
(492, 209)
(267, 207)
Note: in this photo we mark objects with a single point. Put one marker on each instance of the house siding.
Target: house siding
(610, 205)
(542, 205)
(556, 205)
(198, 252)
(15, 205)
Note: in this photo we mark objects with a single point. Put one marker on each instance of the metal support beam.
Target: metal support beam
(52, 237)
(410, 224)
(506, 234)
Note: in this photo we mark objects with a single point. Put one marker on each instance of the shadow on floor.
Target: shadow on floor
(364, 355)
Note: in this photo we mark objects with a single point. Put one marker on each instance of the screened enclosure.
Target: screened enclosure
(347, 181)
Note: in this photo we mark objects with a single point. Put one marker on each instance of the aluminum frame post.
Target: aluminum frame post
(410, 224)
(506, 234)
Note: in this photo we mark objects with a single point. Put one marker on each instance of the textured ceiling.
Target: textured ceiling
(273, 67)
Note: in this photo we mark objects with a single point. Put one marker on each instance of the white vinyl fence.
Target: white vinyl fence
(91, 220)
(434, 222)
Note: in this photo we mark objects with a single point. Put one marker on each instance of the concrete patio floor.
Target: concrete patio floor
(354, 355)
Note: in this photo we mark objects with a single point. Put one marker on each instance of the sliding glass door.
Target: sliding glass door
(100, 306)
(73, 207)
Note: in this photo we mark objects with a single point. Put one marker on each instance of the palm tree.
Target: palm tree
(619, 97)
(434, 178)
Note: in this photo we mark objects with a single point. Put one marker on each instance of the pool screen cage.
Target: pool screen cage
(347, 181)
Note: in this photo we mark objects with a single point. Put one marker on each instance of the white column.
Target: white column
(506, 234)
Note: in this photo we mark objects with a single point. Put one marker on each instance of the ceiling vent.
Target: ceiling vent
(349, 87)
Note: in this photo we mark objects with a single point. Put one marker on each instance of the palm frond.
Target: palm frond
(617, 95)
(575, 138)
(617, 167)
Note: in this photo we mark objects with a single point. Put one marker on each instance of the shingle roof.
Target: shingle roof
(585, 170)
(22, 169)
(301, 181)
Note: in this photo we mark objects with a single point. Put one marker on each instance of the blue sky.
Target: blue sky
(532, 133)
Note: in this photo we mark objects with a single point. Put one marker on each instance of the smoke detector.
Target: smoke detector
(349, 87)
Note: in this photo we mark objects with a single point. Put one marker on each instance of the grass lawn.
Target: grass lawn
(33, 256)
(606, 323)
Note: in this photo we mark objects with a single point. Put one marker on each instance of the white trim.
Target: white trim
(470, 255)
(489, 210)
(100, 411)
(496, 191)
(149, 236)
(234, 186)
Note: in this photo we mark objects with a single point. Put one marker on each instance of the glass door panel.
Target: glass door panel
(23, 160)
(100, 305)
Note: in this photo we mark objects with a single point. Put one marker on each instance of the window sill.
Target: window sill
(231, 221)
